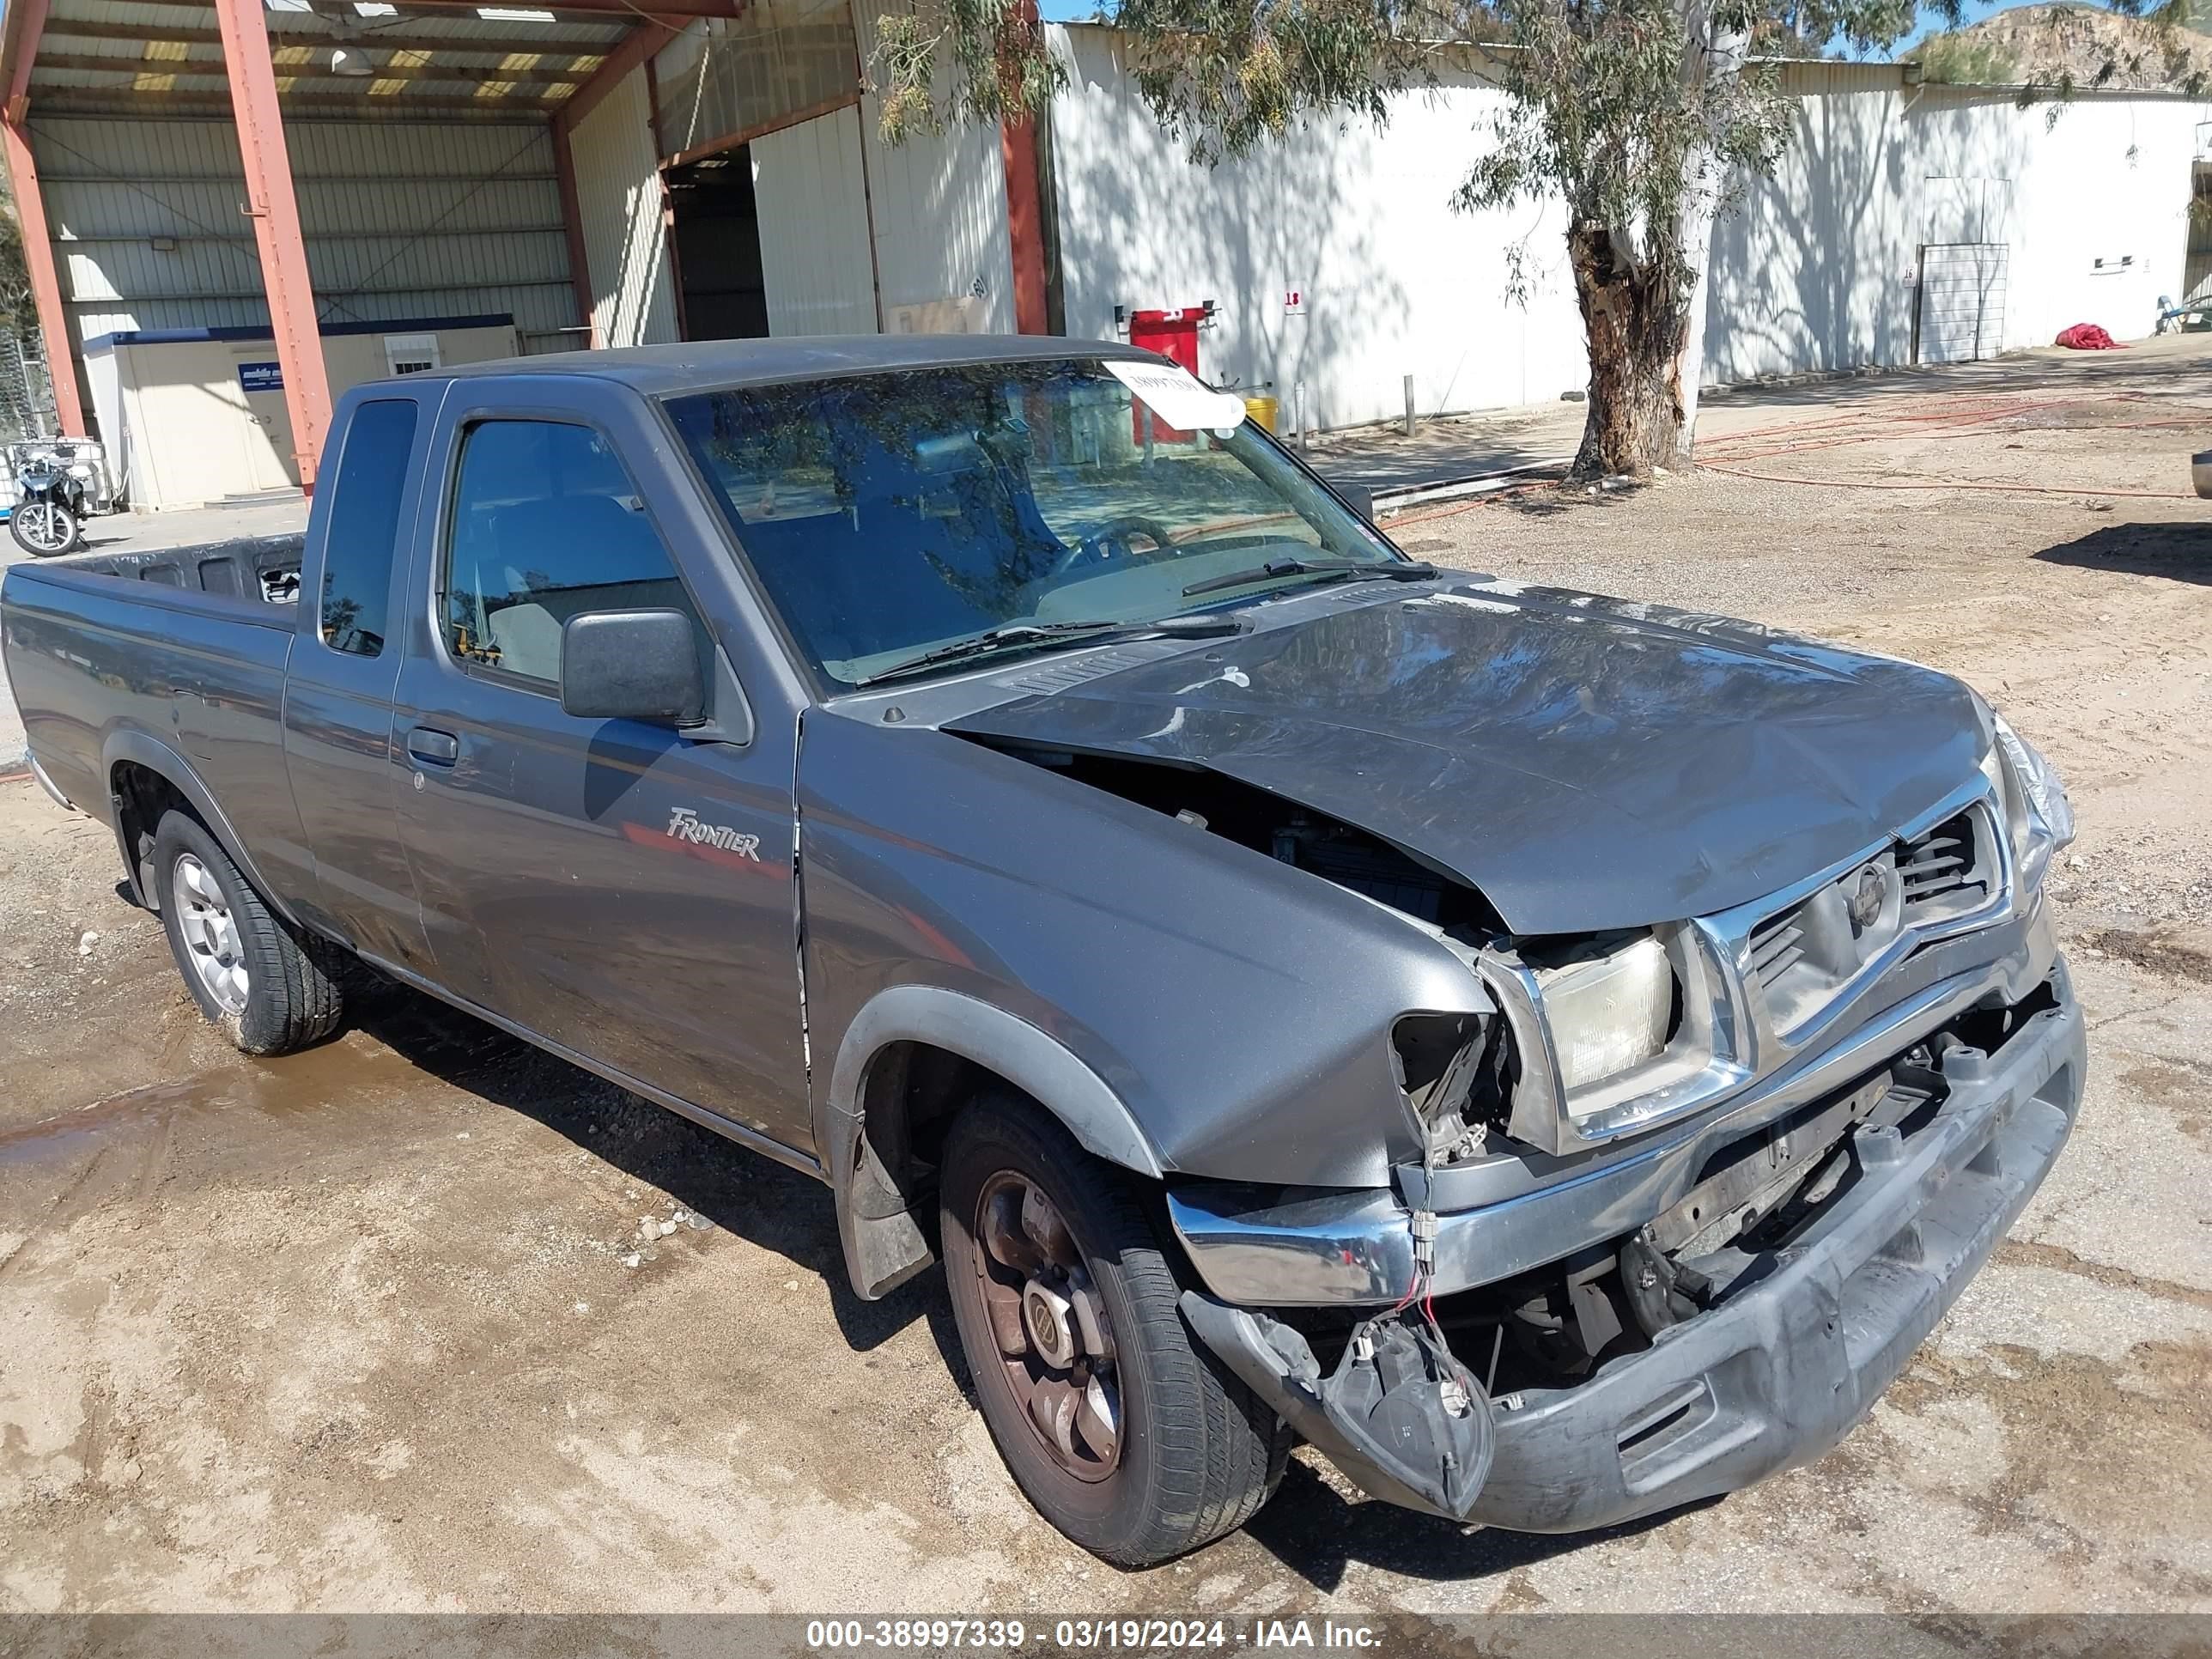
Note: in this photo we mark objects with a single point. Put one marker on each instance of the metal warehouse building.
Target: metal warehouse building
(232, 207)
(232, 211)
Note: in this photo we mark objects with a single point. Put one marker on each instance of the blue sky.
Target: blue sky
(1060, 11)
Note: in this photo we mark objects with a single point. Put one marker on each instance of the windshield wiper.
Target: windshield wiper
(1397, 570)
(1023, 636)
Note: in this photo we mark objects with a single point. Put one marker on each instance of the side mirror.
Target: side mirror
(1359, 498)
(632, 666)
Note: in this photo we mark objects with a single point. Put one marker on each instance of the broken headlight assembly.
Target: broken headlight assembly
(2039, 820)
(1595, 1038)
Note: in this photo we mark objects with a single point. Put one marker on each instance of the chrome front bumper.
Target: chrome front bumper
(1273, 1248)
(1777, 1373)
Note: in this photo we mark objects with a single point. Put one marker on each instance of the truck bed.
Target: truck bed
(265, 568)
(184, 648)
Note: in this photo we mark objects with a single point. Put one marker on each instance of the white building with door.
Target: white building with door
(198, 414)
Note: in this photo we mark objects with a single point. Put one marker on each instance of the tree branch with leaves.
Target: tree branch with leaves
(1640, 116)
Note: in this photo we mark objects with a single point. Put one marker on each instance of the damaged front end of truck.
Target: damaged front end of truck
(1687, 1197)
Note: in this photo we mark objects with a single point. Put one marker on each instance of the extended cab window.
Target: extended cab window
(545, 525)
(364, 523)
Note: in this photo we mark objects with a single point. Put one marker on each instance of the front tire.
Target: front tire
(268, 989)
(44, 530)
(1121, 1430)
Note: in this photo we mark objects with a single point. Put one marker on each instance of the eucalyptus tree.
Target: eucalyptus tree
(1641, 116)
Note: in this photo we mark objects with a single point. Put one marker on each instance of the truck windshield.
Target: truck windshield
(894, 515)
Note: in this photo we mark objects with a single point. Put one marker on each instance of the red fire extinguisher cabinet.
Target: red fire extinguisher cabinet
(1172, 334)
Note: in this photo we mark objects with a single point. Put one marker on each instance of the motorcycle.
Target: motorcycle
(49, 499)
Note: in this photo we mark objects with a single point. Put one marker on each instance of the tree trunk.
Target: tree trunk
(1635, 314)
(1715, 63)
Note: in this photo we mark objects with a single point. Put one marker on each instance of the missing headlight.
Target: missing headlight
(1457, 1072)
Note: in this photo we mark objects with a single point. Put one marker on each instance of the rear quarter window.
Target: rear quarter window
(364, 532)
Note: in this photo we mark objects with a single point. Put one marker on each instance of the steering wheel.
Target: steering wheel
(1094, 545)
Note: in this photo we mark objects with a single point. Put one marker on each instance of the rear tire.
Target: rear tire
(269, 989)
(1196, 1454)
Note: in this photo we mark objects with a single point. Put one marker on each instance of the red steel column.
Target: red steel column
(1018, 151)
(45, 281)
(1017, 142)
(276, 214)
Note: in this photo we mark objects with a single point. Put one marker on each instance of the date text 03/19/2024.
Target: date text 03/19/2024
(1083, 1635)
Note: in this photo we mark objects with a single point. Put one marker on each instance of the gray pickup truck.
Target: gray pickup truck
(1557, 1057)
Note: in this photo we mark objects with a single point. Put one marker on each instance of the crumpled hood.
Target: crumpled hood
(1585, 762)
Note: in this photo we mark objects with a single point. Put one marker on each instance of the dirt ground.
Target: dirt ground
(355, 1330)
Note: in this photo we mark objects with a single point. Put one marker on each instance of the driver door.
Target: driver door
(623, 889)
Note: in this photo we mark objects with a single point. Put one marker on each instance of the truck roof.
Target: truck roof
(657, 370)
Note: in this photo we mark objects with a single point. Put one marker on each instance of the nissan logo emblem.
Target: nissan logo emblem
(1867, 895)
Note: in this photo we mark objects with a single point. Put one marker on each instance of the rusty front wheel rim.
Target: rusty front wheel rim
(1055, 1344)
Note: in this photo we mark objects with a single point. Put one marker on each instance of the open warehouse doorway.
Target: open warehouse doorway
(771, 235)
(715, 217)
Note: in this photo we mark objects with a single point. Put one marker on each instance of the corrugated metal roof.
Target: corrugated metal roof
(158, 19)
(132, 57)
(1807, 76)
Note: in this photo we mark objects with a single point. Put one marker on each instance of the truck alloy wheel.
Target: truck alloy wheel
(265, 985)
(1056, 1342)
(1125, 1434)
(214, 950)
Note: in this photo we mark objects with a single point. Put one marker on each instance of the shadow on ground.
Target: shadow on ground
(2179, 552)
(1314, 1531)
(1549, 501)
(2039, 373)
(1309, 1526)
(750, 1195)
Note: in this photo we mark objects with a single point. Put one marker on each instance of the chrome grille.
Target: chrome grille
(1939, 868)
(1807, 956)
(1778, 945)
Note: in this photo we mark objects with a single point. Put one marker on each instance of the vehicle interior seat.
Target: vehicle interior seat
(566, 555)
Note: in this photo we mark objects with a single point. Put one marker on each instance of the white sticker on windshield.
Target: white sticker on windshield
(1173, 392)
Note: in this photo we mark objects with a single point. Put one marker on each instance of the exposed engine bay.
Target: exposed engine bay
(1408, 1398)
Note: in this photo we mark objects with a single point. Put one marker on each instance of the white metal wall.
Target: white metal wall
(939, 202)
(1812, 270)
(842, 213)
(1359, 222)
(402, 219)
(2090, 199)
(618, 200)
(814, 228)
(181, 429)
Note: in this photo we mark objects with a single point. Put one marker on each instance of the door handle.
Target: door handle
(427, 744)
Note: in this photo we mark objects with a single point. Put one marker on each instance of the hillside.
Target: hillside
(2062, 46)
